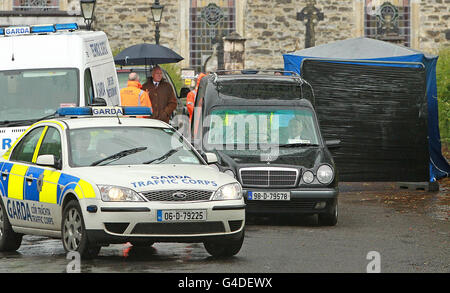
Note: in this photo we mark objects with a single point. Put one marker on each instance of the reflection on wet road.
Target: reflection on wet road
(409, 228)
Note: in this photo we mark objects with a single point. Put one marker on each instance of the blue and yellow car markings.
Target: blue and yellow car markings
(49, 193)
(5, 176)
(54, 184)
(16, 181)
(86, 189)
(31, 187)
(67, 182)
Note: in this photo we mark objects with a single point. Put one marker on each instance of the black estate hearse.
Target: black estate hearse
(265, 132)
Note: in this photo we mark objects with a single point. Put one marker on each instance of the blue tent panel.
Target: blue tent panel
(360, 49)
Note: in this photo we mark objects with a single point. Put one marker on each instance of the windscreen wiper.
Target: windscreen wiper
(10, 123)
(299, 144)
(165, 156)
(17, 122)
(119, 155)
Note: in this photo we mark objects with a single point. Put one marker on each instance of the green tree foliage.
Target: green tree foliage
(174, 72)
(443, 87)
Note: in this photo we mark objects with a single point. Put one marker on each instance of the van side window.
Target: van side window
(88, 87)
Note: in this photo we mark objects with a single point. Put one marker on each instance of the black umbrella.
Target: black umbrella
(146, 54)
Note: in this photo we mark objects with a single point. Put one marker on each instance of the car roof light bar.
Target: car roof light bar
(107, 111)
(38, 29)
(66, 26)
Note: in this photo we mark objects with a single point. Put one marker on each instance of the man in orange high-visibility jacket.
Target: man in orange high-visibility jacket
(132, 95)
(190, 99)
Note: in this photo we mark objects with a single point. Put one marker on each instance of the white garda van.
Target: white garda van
(43, 68)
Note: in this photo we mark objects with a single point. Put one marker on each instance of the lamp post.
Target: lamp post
(87, 10)
(157, 10)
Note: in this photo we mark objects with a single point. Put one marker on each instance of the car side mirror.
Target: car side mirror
(47, 161)
(184, 92)
(333, 144)
(98, 102)
(211, 158)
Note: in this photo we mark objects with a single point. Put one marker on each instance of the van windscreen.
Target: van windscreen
(260, 89)
(36, 93)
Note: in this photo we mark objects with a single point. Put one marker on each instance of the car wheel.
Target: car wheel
(330, 218)
(74, 236)
(226, 248)
(9, 240)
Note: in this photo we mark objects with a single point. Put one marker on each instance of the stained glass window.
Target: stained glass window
(209, 21)
(388, 21)
(35, 5)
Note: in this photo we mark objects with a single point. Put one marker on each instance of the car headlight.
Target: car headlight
(325, 174)
(116, 193)
(228, 191)
(308, 177)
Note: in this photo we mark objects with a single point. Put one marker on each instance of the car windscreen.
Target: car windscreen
(248, 128)
(36, 93)
(260, 89)
(128, 146)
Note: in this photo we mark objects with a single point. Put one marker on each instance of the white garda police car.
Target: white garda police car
(93, 181)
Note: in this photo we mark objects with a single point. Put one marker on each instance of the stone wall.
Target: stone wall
(270, 26)
(130, 22)
(434, 25)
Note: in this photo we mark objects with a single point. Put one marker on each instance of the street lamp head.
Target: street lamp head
(87, 9)
(157, 11)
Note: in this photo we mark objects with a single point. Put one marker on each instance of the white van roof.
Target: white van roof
(55, 50)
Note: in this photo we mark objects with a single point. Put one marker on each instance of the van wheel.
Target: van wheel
(9, 240)
(222, 249)
(73, 232)
(330, 218)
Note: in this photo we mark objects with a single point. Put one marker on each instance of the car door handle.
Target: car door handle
(29, 180)
(4, 175)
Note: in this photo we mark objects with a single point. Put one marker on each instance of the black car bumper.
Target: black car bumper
(101, 237)
(302, 201)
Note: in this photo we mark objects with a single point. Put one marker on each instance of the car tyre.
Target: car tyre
(9, 240)
(330, 218)
(226, 248)
(73, 232)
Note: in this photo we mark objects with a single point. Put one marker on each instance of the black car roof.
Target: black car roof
(215, 98)
(259, 77)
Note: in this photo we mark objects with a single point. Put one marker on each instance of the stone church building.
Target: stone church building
(268, 28)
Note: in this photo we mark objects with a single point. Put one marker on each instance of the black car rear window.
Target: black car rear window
(261, 89)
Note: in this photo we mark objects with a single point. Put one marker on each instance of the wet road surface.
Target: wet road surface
(410, 229)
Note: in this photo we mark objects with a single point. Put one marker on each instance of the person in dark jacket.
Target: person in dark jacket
(161, 95)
